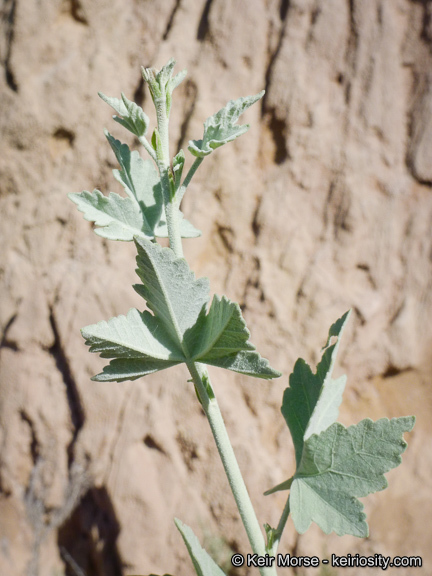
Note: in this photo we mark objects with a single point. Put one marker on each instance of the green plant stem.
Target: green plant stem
(143, 140)
(198, 371)
(171, 208)
(280, 527)
(188, 178)
(230, 464)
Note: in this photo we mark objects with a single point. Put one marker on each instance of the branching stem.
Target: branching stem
(188, 178)
(247, 513)
(143, 140)
(198, 371)
(280, 528)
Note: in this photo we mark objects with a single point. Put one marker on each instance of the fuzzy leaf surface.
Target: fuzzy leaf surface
(203, 563)
(137, 342)
(340, 465)
(119, 218)
(141, 182)
(221, 338)
(222, 127)
(177, 328)
(138, 177)
(170, 288)
(311, 403)
(130, 115)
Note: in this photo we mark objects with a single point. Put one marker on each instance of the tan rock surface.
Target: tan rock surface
(324, 205)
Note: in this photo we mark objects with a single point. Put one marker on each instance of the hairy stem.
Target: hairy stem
(188, 178)
(247, 513)
(163, 161)
(143, 140)
(198, 371)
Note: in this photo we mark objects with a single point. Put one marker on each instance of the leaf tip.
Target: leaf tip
(410, 422)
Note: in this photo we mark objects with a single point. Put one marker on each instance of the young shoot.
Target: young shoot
(335, 465)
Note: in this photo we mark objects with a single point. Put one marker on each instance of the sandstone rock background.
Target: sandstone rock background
(324, 205)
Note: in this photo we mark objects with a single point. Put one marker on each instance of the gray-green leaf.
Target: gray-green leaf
(179, 330)
(138, 343)
(203, 563)
(343, 464)
(222, 127)
(130, 115)
(141, 182)
(119, 218)
(311, 403)
(221, 338)
(170, 288)
(178, 163)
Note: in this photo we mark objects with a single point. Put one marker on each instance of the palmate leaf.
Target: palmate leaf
(203, 563)
(343, 464)
(335, 465)
(137, 342)
(222, 127)
(311, 403)
(179, 330)
(170, 288)
(119, 218)
(140, 180)
(142, 214)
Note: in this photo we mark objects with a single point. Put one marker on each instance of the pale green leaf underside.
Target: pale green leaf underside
(130, 115)
(170, 288)
(138, 177)
(179, 329)
(119, 218)
(141, 182)
(137, 335)
(221, 127)
(142, 214)
(343, 464)
(311, 403)
(203, 563)
(187, 230)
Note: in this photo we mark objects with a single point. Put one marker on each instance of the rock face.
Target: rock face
(325, 205)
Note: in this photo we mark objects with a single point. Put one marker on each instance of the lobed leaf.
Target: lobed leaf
(220, 332)
(142, 214)
(222, 127)
(141, 182)
(335, 465)
(137, 342)
(170, 288)
(311, 403)
(137, 335)
(138, 177)
(119, 218)
(130, 115)
(179, 330)
(121, 370)
(219, 338)
(343, 464)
